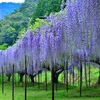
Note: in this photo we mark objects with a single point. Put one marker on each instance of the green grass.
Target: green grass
(35, 93)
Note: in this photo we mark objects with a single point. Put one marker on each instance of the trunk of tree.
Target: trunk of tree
(56, 75)
(32, 78)
(21, 76)
(9, 77)
(56, 78)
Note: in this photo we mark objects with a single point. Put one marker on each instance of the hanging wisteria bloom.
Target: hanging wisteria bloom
(71, 35)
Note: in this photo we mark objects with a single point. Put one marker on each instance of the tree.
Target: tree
(10, 35)
(45, 7)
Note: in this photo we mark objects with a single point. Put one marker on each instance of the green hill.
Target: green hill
(4, 8)
(16, 22)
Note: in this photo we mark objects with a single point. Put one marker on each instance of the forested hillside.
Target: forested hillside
(6, 8)
(16, 23)
(45, 7)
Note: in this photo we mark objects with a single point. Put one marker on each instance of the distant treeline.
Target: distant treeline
(15, 24)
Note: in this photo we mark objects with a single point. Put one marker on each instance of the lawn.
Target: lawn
(39, 92)
(33, 93)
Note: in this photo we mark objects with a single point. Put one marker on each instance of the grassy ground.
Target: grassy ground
(36, 93)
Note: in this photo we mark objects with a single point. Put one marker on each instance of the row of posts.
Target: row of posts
(52, 74)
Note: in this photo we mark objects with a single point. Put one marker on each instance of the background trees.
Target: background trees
(11, 35)
(18, 21)
(28, 11)
(45, 7)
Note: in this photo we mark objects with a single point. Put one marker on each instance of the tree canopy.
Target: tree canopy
(45, 7)
(16, 23)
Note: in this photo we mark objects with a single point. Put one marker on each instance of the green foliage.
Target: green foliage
(38, 23)
(10, 35)
(23, 31)
(4, 46)
(15, 17)
(16, 23)
(45, 7)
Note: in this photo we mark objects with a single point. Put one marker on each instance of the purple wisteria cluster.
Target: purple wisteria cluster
(71, 35)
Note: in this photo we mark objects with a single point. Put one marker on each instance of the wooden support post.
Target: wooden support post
(89, 73)
(70, 79)
(38, 81)
(73, 76)
(80, 77)
(67, 78)
(64, 75)
(46, 79)
(2, 81)
(13, 83)
(56, 82)
(32, 73)
(52, 82)
(85, 74)
(25, 80)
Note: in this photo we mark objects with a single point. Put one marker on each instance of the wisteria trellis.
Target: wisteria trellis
(73, 35)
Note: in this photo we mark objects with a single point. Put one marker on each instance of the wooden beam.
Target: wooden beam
(42, 17)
